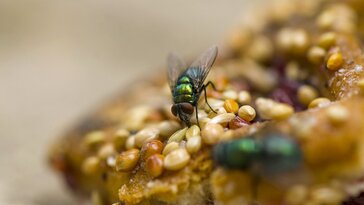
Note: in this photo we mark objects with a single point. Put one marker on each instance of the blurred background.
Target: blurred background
(61, 59)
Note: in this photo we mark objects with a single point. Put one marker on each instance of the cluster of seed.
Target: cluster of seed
(300, 194)
(167, 145)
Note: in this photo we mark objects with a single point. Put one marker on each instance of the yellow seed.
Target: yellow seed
(222, 118)
(285, 39)
(281, 111)
(335, 61)
(154, 165)
(306, 94)
(296, 195)
(244, 97)
(146, 135)
(300, 41)
(204, 121)
(119, 138)
(192, 131)
(327, 195)
(230, 94)
(170, 147)
(293, 40)
(231, 106)
(193, 144)
(168, 127)
(130, 142)
(247, 113)
(176, 159)
(178, 136)
(90, 165)
(316, 55)
(269, 109)
(211, 133)
(105, 151)
(337, 114)
(94, 139)
(327, 40)
(325, 19)
(319, 102)
(218, 111)
(127, 160)
(261, 49)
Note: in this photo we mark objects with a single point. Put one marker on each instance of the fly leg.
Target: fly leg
(204, 89)
(198, 123)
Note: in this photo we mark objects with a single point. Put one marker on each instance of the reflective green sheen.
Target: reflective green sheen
(272, 153)
(183, 91)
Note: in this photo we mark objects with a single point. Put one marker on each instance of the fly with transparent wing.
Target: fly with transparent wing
(187, 83)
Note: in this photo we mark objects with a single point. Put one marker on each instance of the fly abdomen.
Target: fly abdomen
(183, 91)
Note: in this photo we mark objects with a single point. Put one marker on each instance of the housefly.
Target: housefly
(187, 83)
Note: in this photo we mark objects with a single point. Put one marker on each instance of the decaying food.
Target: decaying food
(287, 126)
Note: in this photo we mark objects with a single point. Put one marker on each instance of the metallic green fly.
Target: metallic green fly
(187, 83)
(269, 154)
(265, 155)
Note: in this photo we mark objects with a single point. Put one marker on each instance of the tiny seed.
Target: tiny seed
(178, 136)
(327, 195)
(211, 133)
(222, 118)
(94, 139)
(306, 94)
(146, 135)
(269, 109)
(167, 128)
(316, 55)
(152, 147)
(231, 106)
(335, 61)
(154, 165)
(170, 147)
(247, 113)
(319, 102)
(193, 144)
(119, 138)
(244, 97)
(106, 151)
(281, 111)
(296, 195)
(90, 165)
(192, 131)
(337, 114)
(230, 94)
(261, 49)
(326, 19)
(327, 40)
(127, 160)
(237, 123)
(130, 142)
(176, 159)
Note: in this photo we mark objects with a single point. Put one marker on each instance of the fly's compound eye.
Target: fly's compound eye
(174, 110)
(187, 108)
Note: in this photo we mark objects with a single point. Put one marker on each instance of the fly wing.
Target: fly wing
(201, 67)
(176, 66)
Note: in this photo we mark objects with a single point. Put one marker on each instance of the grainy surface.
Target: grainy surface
(60, 59)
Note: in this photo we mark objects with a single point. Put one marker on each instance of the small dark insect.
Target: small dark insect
(263, 156)
(270, 154)
(187, 83)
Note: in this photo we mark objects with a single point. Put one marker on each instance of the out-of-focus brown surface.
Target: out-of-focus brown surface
(60, 59)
